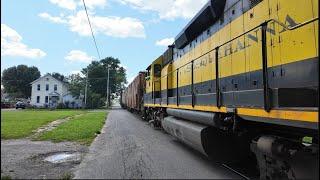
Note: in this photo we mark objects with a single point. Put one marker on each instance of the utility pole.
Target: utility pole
(86, 89)
(108, 88)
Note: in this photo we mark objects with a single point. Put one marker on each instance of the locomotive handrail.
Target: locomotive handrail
(266, 93)
(217, 78)
(297, 26)
(268, 21)
(192, 85)
(263, 27)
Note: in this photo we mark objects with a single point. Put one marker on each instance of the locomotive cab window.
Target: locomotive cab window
(157, 70)
(147, 77)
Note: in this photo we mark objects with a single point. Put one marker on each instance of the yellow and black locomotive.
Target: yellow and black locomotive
(240, 82)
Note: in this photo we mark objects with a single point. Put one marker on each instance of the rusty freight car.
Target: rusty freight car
(132, 96)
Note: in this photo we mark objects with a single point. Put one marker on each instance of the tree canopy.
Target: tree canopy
(58, 76)
(16, 80)
(97, 81)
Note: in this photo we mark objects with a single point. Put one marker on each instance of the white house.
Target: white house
(47, 91)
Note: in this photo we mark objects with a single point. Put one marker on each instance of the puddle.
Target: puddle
(63, 157)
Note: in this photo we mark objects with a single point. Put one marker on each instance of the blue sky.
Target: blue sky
(54, 35)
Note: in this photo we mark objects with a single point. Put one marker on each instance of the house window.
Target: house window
(38, 87)
(47, 99)
(38, 99)
(55, 87)
(47, 87)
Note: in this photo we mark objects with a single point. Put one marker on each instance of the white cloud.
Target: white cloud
(78, 56)
(73, 4)
(110, 26)
(168, 9)
(91, 4)
(67, 4)
(165, 42)
(11, 45)
(54, 19)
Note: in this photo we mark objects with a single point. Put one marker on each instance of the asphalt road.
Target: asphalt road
(129, 148)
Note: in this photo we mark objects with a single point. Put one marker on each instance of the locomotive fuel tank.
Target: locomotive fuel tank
(210, 141)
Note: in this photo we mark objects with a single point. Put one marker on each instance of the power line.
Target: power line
(94, 39)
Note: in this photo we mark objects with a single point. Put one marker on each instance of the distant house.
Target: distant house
(48, 91)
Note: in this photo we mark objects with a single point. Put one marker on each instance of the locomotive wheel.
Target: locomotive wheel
(152, 125)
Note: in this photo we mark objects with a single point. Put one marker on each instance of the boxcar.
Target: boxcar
(132, 96)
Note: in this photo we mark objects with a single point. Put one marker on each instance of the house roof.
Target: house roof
(47, 76)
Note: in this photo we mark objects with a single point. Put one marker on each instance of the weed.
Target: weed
(6, 177)
(66, 176)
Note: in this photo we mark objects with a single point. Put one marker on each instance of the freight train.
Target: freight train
(240, 84)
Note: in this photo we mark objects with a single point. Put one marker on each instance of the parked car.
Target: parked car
(21, 105)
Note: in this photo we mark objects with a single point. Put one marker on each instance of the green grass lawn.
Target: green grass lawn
(81, 129)
(19, 124)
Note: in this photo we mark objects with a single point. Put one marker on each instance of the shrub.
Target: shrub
(60, 106)
(66, 104)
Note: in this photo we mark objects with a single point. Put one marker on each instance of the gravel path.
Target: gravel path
(24, 159)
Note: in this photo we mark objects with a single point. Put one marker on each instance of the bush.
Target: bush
(31, 107)
(60, 106)
(95, 101)
(66, 104)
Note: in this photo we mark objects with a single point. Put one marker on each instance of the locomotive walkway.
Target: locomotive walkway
(129, 148)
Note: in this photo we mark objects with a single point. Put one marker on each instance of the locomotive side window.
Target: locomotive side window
(148, 74)
(157, 70)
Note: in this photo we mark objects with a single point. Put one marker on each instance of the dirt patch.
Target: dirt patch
(26, 159)
(50, 126)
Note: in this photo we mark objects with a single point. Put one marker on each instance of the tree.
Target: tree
(95, 100)
(97, 80)
(117, 76)
(16, 80)
(97, 77)
(58, 76)
(76, 85)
